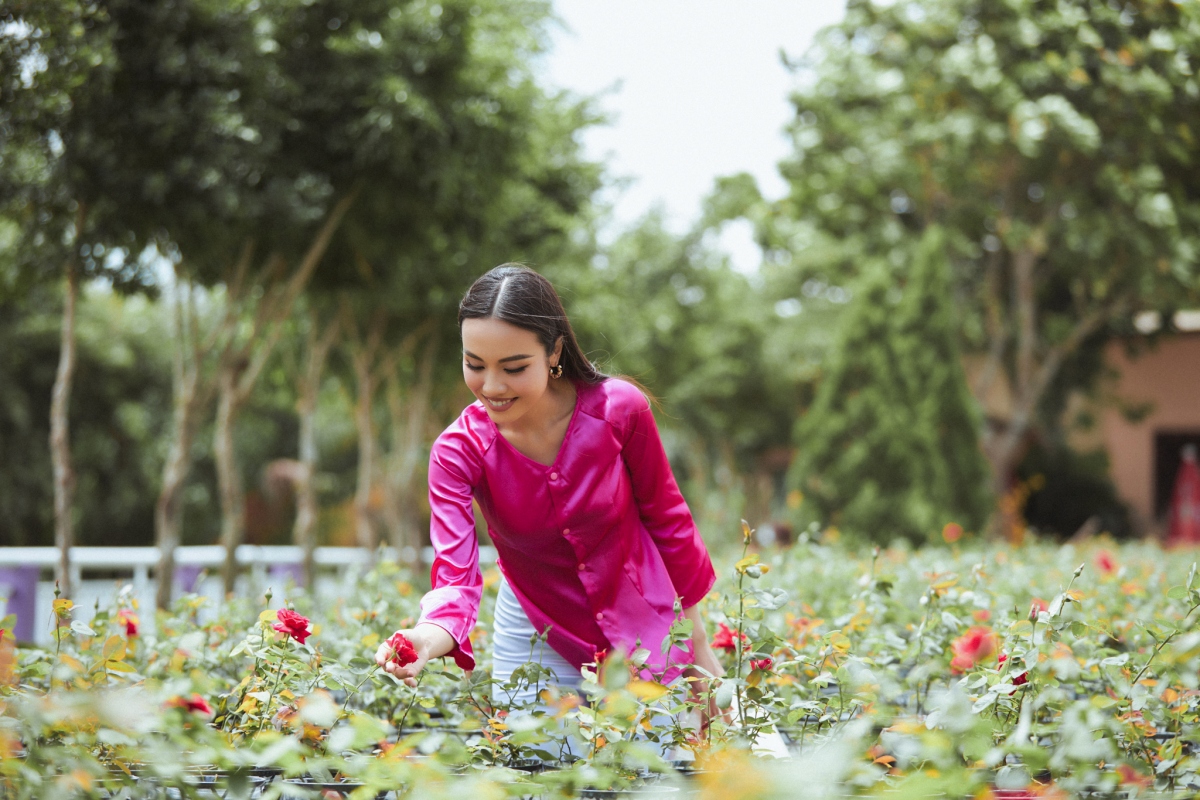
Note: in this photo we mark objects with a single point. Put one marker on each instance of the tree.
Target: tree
(55, 69)
(889, 446)
(1052, 141)
(120, 411)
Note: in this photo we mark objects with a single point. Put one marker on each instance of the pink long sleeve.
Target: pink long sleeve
(661, 506)
(453, 603)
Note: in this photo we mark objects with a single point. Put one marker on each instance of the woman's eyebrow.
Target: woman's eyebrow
(503, 360)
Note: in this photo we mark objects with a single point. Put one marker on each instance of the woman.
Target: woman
(594, 540)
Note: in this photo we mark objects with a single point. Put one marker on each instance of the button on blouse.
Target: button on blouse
(596, 546)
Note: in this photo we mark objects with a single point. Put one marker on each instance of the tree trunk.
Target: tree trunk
(229, 474)
(189, 397)
(305, 529)
(60, 444)
(168, 511)
(408, 427)
(1036, 365)
(1007, 517)
(240, 364)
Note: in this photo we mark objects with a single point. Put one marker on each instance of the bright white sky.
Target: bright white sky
(695, 88)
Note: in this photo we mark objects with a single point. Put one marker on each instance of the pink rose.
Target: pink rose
(294, 625)
(975, 646)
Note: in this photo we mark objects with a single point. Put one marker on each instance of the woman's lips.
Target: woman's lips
(498, 405)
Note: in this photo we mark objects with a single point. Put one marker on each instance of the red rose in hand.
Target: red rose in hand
(403, 652)
(292, 624)
(724, 638)
(195, 704)
(975, 646)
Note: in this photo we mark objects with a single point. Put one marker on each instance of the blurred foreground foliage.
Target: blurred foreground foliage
(987, 671)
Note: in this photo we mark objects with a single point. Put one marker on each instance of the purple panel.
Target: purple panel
(19, 584)
(187, 575)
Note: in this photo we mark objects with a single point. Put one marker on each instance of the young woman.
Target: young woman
(594, 540)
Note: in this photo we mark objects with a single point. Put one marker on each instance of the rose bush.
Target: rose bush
(939, 671)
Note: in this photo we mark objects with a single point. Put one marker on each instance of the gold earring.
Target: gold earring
(556, 371)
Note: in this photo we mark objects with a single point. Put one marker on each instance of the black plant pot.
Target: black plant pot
(633, 792)
(300, 789)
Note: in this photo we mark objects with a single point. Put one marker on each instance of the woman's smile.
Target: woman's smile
(498, 404)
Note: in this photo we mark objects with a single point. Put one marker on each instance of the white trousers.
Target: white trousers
(512, 633)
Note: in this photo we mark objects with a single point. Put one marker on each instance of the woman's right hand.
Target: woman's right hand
(429, 641)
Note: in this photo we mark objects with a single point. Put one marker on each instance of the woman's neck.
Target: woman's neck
(553, 409)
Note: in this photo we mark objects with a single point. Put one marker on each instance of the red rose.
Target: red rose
(403, 652)
(292, 624)
(600, 655)
(196, 704)
(975, 646)
(1018, 680)
(1036, 607)
(764, 664)
(952, 532)
(129, 620)
(724, 638)
(1106, 563)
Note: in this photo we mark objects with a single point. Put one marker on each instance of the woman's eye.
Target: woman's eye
(516, 371)
(472, 367)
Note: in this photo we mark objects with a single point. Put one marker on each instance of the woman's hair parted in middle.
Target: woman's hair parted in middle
(519, 296)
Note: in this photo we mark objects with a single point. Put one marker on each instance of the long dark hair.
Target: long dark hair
(519, 296)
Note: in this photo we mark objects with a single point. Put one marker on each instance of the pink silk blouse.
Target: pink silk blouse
(596, 546)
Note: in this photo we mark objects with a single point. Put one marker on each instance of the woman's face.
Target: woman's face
(505, 367)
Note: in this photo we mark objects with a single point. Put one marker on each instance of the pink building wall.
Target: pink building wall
(1165, 376)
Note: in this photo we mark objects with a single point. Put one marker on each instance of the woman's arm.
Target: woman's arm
(706, 660)
(704, 655)
(450, 608)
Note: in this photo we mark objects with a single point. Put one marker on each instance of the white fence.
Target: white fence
(97, 573)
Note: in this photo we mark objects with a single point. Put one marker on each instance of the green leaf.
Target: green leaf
(724, 695)
(1177, 592)
(112, 645)
(80, 628)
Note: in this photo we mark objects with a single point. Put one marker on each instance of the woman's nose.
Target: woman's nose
(493, 384)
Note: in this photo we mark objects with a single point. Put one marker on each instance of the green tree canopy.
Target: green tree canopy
(1054, 143)
(889, 446)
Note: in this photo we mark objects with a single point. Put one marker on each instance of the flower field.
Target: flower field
(977, 671)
